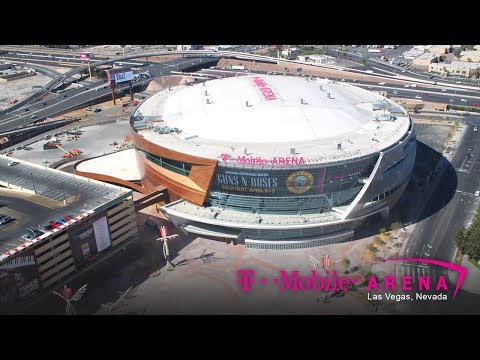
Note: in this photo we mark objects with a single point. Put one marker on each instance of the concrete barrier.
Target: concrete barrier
(12, 187)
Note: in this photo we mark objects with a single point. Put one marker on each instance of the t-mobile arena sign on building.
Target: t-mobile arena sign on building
(264, 88)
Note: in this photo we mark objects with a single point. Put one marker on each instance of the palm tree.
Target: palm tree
(475, 73)
(457, 53)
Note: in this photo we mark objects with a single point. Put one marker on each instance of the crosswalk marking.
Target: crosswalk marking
(415, 271)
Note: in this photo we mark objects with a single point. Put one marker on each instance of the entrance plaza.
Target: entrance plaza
(205, 279)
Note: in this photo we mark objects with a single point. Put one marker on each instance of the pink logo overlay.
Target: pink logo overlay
(332, 281)
(462, 272)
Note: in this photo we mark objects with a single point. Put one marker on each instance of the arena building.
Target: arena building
(273, 162)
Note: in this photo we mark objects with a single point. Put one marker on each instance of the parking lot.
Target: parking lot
(39, 195)
(95, 140)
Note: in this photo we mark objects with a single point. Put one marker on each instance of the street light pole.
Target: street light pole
(63, 193)
(33, 183)
(89, 70)
(166, 252)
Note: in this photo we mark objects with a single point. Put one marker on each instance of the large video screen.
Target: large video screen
(293, 182)
(19, 279)
(91, 238)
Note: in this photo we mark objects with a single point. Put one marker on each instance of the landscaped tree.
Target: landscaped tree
(475, 73)
(395, 226)
(417, 108)
(468, 240)
(373, 250)
(346, 262)
(377, 240)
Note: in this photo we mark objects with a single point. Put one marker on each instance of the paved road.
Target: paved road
(45, 71)
(460, 179)
(92, 94)
(451, 205)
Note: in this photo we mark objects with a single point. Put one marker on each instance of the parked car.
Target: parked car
(61, 221)
(54, 224)
(32, 234)
(5, 220)
(36, 232)
(28, 237)
(48, 227)
(477, 193)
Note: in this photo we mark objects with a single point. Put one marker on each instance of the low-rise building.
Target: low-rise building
(317, 59)
(441, 49)
(412, 54)
(470, 56)
(290, 53)
(422, 48)
(423, 61)
(457, 68)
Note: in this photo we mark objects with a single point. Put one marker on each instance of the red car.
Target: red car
(54, 224)
(475, 104)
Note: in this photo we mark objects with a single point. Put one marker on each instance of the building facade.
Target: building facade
(423, 61)
(454, 68)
